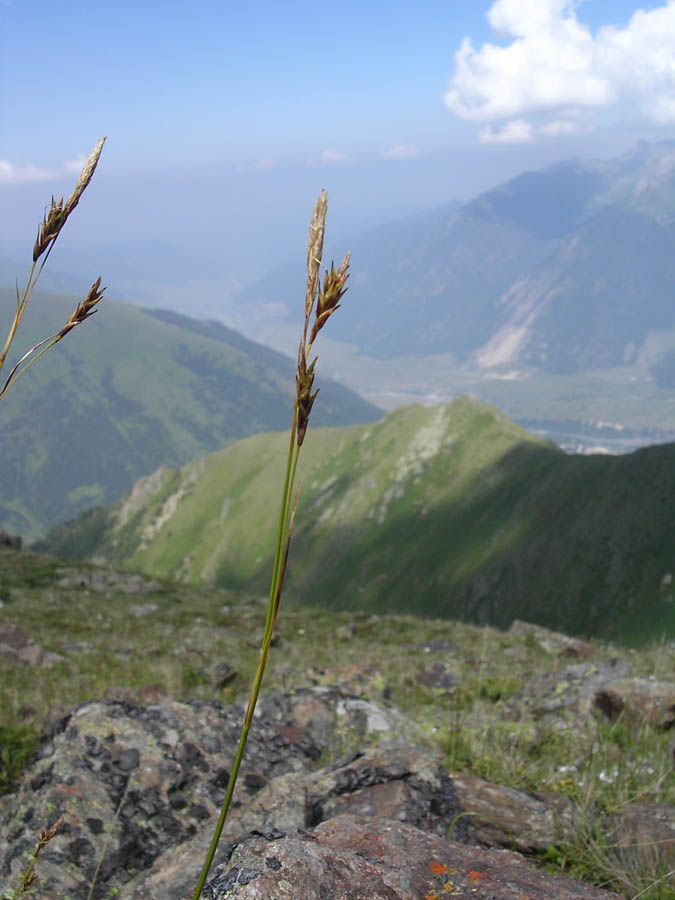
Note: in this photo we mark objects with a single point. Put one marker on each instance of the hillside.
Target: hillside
(451, 511)
(549, 296)
(133, 390)
(130, 692)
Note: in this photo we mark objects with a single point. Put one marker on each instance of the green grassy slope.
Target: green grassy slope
(130, 390)
(450, 511)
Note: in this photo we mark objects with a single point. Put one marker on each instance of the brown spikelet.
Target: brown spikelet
(50, 226)
(54, 220)
(85, 309)
(304, 381)
(334, 287)
(47, 834)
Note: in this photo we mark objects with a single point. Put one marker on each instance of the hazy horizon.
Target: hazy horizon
(224, 122)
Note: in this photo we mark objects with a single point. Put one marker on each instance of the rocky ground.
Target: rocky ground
(399, 758)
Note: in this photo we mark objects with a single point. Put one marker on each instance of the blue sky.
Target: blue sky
(221, 116)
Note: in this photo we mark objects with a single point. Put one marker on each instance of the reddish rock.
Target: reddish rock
(500, 816)
(640, 699)
(642, 836)
(16, 646)
(351, 858)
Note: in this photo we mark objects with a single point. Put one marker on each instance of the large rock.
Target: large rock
(642, 835)
(505, 817)
(569, 694)
(640, 700)
(410, 787)
(352, 858)
(133, 782)
(140, 787)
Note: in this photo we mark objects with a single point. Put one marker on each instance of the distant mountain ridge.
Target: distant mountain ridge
(130, 390)
(449, 511)
(565, 269)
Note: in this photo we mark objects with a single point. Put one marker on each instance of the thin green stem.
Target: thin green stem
(13, 375)
(278, 571)
(304, 380)
(20, 306)
(243, 737)
(285, 494)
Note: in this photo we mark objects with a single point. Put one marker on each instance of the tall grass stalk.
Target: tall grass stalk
(322, 301)
(51, 226)
(48, 231)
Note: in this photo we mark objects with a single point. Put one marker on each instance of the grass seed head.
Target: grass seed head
(49, 229)
(317, 226)
(47, 834)
(334, 288)
(304, 381)
(54, 220)
(85, 309)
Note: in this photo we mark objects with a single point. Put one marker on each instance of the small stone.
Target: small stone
(220, 674)
(144, 609)
(346, 632)
(30, 655)
(51, 658)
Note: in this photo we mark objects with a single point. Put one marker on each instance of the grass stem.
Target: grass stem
(326, 302)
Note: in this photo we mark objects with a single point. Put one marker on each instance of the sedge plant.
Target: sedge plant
(321, 301)
(50, 228)
(48, 231)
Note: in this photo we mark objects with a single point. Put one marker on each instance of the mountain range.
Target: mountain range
(451, 511)
(549, 296)
(565, 269)
(126, 392)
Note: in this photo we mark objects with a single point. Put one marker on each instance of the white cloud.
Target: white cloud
(553, 70)
(401, 151)
(260, 165)
(517, 131)
(558, 128)
(12, 174)
(333, 156)
(75, 165)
